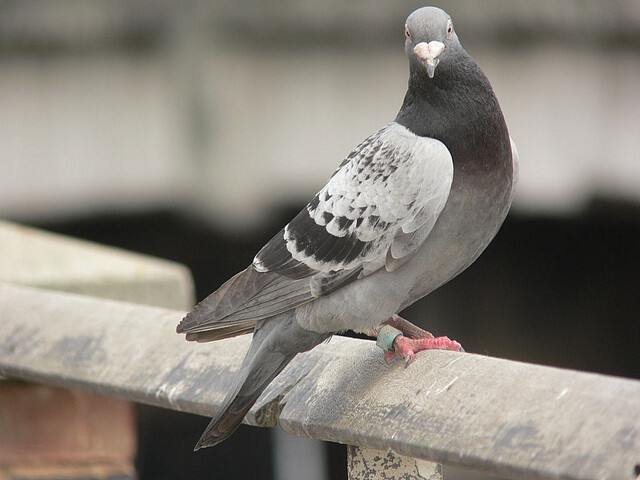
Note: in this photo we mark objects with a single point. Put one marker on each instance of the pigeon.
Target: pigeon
(407, 210)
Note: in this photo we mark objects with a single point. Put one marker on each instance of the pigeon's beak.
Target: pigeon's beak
(429, 53)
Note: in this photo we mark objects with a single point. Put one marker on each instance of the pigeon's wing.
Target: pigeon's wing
(374, 212)
(244, 299)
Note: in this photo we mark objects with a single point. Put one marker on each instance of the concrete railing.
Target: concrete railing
(47, 432)
(502, 417)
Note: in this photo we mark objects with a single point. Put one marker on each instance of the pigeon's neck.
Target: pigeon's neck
(457, 107)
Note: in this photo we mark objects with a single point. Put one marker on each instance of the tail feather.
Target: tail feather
(237, 405)
(276, 341)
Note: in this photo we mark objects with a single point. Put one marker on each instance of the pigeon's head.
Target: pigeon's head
(430, 38)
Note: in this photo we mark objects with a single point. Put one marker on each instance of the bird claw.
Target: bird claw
(408, 359)
(400, 338)
(388, 356)
(407, 348)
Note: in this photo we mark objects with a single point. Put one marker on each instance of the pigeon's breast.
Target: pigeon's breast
(476, 207)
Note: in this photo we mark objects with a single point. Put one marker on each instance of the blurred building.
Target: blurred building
(232, 110)
(193, 130)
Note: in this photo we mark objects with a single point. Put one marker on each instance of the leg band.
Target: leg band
(386, 336)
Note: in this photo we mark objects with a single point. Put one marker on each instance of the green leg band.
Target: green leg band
(386, 336)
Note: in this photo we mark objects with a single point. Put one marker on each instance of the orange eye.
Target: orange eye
(406, 32)
(449, 29)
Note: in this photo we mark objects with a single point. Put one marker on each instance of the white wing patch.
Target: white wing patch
(384, 199)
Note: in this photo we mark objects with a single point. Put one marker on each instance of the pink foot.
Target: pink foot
(407, 347)
(400, 338)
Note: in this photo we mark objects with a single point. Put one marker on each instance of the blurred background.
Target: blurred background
(194, 130)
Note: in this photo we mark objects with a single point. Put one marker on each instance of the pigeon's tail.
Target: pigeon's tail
(276, 341)
(240, 401)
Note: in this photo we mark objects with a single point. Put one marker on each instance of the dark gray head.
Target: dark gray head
(430, 39)
(448, 96)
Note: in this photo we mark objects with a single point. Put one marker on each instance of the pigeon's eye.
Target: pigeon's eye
(407, 33)
(449, 29)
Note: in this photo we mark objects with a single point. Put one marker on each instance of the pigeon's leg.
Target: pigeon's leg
(400, 338)
(407, 328)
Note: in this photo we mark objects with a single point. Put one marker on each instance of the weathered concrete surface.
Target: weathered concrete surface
(93, 436)
(371, 464)
(41, 259)
(506, 418)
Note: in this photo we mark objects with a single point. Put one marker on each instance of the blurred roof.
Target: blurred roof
(85, 24)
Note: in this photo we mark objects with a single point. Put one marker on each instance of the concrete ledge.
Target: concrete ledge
(45, 260)
(506, 418)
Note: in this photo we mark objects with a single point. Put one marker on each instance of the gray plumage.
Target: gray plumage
(408, 209)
